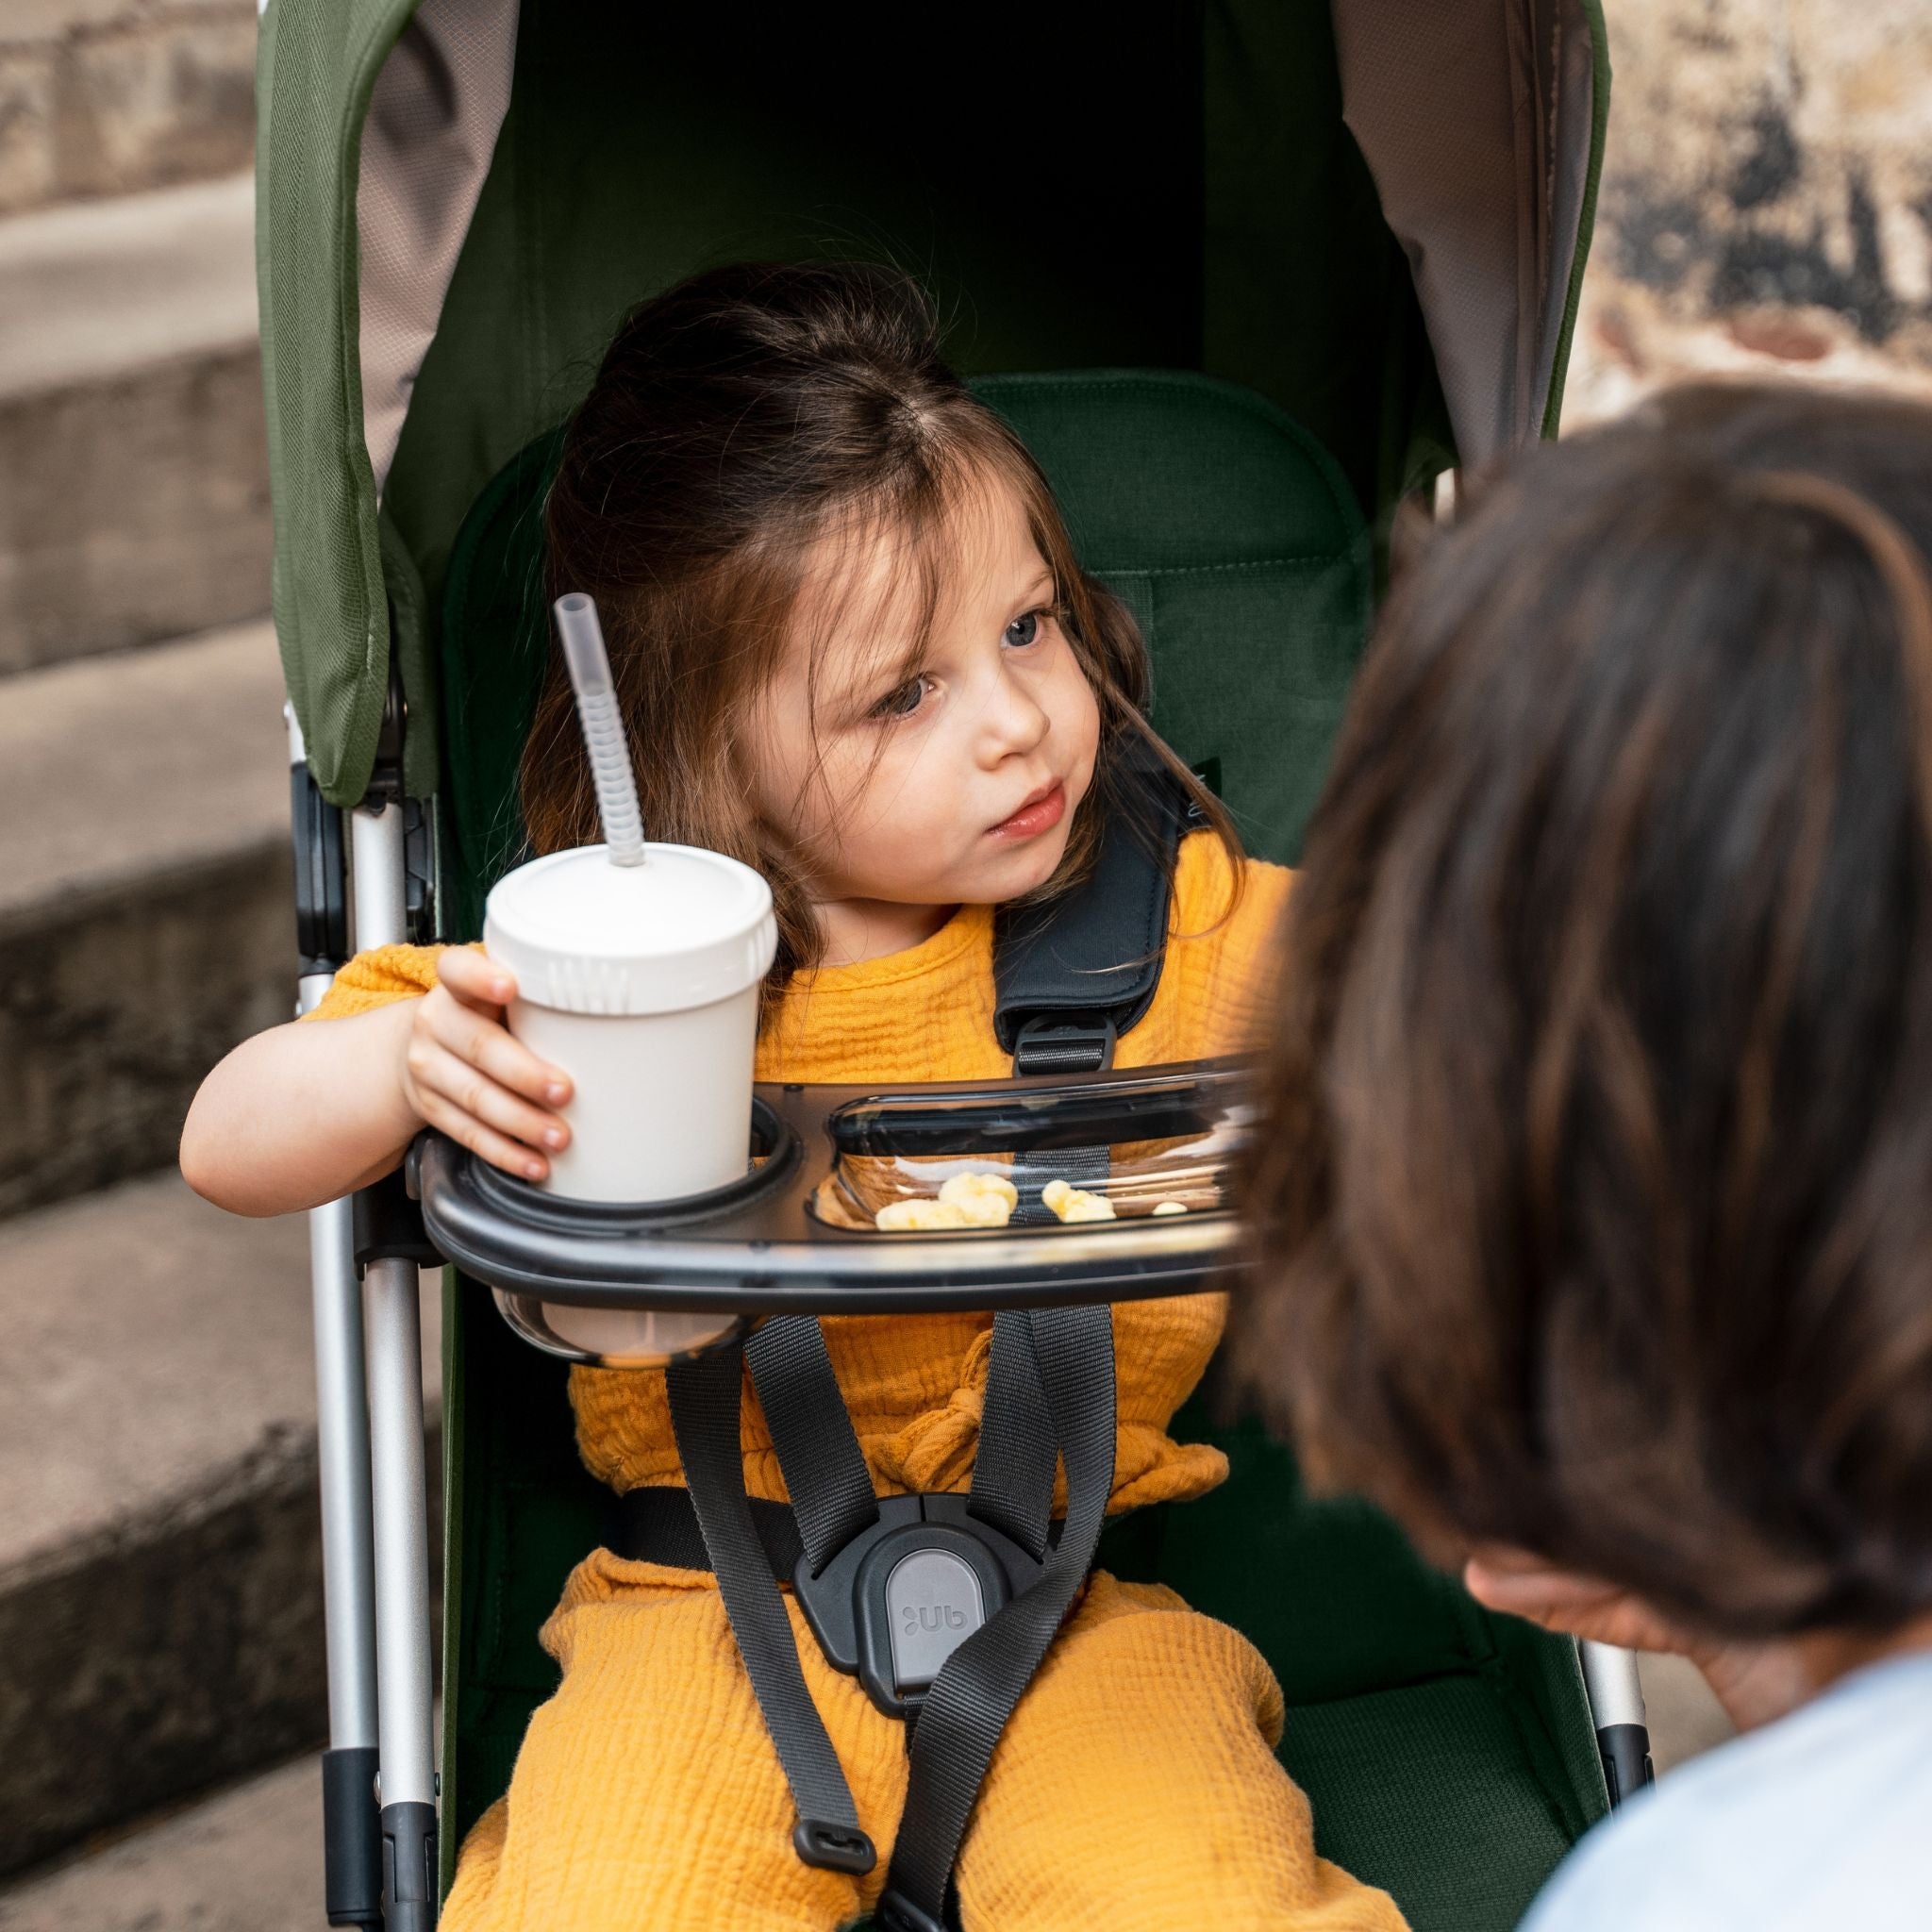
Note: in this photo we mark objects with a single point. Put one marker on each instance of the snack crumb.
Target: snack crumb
(1170, 1206)
(921, 1211)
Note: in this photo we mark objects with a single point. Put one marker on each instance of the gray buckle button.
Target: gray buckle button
(933, 1603)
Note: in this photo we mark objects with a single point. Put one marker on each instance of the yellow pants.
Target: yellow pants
(1136, 1788)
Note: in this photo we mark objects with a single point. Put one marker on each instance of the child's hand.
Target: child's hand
(466, 1075)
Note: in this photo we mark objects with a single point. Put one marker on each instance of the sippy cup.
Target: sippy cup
(638, 970)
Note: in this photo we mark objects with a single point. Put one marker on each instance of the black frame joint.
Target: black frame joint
(389, 1225)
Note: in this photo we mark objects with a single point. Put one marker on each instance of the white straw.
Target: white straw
(590, 676)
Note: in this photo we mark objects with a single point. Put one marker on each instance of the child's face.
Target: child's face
(957, 785)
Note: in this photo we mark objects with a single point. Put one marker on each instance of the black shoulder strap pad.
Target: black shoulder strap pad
(1071, 974)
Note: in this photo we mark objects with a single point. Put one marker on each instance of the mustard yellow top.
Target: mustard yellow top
(914, 1383)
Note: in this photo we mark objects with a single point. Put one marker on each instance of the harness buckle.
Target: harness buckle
(894, 1604)
(833, 1847)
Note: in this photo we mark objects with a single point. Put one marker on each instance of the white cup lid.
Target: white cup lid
(686, 928)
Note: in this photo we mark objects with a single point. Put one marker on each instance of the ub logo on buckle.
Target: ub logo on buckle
(935, 1601)
(903, 1594)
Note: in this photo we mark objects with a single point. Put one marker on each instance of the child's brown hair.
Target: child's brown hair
(1594, 1213)
(737, 421)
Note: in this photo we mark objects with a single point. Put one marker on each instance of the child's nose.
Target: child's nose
(1015, 721)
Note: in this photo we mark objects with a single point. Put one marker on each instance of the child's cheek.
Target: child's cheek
(1083, 731)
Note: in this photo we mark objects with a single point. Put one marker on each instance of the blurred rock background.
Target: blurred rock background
(1767, 199)
(1766, 207)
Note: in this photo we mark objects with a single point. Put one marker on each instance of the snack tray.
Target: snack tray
(796, 1235)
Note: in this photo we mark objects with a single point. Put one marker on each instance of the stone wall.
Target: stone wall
(111, 96)
(1767, 197)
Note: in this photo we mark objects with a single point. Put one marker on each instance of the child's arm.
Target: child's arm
(304, 1112)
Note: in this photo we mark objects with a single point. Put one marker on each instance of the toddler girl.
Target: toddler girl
(854, 649)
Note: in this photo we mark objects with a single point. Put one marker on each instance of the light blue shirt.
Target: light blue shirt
(1820, 1823)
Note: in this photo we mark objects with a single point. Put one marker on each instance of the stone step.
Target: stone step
(133, 453)
(161, 1594)
(147, 921)
(248, 1859)
(112, 97)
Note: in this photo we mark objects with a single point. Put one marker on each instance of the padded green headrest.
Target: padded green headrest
(1224, 525)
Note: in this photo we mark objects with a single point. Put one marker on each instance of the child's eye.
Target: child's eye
(905, 701)
(1025, 630)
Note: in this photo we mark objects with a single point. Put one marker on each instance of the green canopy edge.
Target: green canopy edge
(1586, 219)
(315, 73)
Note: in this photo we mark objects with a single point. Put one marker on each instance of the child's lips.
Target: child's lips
(1036, 816)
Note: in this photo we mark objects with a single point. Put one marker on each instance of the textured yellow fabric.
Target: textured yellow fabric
(914, 1383)
(1136, 1787)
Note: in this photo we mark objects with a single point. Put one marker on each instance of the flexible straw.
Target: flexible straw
(604, 737)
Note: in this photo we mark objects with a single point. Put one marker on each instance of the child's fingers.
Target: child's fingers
(493, 1050)
(476, 978)
(497, 1149)
(439, 1072)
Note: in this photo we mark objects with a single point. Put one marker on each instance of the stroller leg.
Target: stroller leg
(352, 1838)
(390, 1295)
(402, 1598)
(352, 1841)
(1622, 1730)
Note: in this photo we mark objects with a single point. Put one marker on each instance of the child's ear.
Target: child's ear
(1522, 1584)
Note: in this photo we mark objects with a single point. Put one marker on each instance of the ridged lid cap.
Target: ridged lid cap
(686, 928)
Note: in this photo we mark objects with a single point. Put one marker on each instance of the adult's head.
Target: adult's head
(1595, 1210)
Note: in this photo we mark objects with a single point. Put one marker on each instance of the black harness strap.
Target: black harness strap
(1071, 974)
(659, 1524)
(811, 1432)
(1014, 1467)
(706, 1393)
(983, 1679)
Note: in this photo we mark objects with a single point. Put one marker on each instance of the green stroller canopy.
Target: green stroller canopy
(1374, 214)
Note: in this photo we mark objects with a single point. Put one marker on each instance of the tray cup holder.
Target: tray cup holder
(634, 1338)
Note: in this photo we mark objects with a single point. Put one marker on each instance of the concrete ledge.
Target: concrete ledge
(133, 452)
(146, 920)
(107, 97)
(160, 1590)
(248, 1859)
(133, 511)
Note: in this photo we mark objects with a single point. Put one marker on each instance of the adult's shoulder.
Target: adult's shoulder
(1815, 1819)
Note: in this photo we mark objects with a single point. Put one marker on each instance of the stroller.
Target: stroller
(1247, 278)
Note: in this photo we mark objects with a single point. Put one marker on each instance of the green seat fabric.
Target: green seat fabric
(1449, 1755)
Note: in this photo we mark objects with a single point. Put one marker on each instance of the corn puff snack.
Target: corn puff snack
(986, 1200)
(1076, 1203)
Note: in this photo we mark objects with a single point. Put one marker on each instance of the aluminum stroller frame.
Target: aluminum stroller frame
(380, 1780)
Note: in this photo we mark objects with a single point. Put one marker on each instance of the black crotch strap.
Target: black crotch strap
(706, 1392)
(1013, 1466)
(818, 1450)
(975, 1692)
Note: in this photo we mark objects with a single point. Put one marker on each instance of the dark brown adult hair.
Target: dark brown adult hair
(1594, 1213)
(738, 420)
